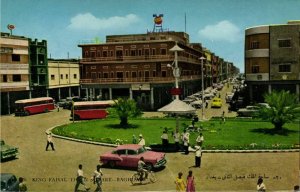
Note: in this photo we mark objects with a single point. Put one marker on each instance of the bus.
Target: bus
(90, 109)
(32, 106)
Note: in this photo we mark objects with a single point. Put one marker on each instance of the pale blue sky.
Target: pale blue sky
(218, 24)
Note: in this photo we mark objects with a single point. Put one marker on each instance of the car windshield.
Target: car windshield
(141, 150)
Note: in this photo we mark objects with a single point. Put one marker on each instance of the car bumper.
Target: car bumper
(160, 163)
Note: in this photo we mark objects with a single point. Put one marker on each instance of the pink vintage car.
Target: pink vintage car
(128, 156)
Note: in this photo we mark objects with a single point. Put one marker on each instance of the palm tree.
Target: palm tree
(284, 108)
(126, 108)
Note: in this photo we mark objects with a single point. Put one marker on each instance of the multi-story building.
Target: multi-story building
(64, 76)
(272, 59)
(14, 70)
(38, 68)
(138, 66)
(25, 72)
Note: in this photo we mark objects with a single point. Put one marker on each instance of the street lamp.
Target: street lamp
(202, 85)
(176, 71)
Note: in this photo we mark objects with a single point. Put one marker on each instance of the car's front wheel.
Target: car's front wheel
(112, 164)
(149, 166)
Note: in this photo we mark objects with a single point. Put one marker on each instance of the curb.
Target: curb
(204, 151)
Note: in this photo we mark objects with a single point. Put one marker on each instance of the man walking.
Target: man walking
(80, 178)
(49, 141)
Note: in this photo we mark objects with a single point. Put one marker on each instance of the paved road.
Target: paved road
(55, 171)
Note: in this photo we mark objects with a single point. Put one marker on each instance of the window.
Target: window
(112, 75)
(132, 52)
(52, 77)
(104, 54)
(99, 75)
(285, 68)
(105, 75)
(4, 78)
(15, 57)
(94, 75)
(75, 76)
(140, 52)
(153, 51)
(153, 73)
(163, 51)
(254, 45)
(67, 76)
(255, 69)
(284, 42)
(133, 74)
(17, 78)
(164, 73)
(61, 76)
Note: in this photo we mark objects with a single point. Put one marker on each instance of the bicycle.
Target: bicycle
(139, 177)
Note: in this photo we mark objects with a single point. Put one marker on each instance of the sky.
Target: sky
(219, 25)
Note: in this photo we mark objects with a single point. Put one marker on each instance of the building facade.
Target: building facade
(140, 67)
(64, 76)
(26, 72)
(272, 59)
(14, 70)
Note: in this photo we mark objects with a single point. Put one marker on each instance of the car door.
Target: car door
(122, 153)
(133, 158)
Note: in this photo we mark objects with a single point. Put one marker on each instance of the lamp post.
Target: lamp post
(176, 71)
(202, 85)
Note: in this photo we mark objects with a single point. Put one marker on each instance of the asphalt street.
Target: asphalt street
(56, 170)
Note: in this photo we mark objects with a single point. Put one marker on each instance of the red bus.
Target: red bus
(33, 106)
(91, 109)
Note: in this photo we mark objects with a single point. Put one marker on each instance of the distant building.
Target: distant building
(136, 66)
(64, 76)
(272, 59)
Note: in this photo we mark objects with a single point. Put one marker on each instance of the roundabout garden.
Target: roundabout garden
(234, 134)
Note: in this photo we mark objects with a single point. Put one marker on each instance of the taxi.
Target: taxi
(216, 103)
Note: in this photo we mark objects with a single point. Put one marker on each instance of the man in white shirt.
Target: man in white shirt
(200, 139)
(186, 141)
(97, 178)
(141, 140)
(198, 154)
(80, 178)
(165, 140)
(176, 137)
(49, 141)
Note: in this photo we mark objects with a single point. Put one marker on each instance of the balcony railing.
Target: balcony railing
(143, 58)
(138, 80)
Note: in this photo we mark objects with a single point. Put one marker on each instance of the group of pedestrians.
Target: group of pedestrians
(187, 185)
(97, 179)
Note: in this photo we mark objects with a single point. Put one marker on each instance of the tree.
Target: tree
(284, 108)
(126, 108)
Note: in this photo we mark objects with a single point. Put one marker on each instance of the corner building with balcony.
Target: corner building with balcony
(272, 59)
(136, 66)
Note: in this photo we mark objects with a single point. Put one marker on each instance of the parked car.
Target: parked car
(216, 102)
(128, 155)
(8, 151)
(9, 182)
(197, 104)
(249, 111)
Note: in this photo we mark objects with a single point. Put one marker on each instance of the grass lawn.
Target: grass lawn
(234, 134)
